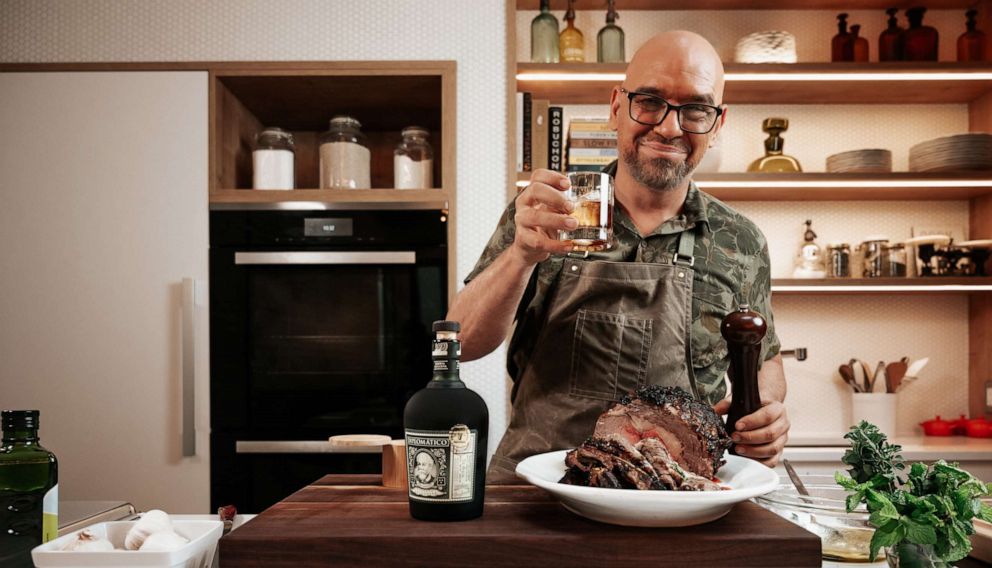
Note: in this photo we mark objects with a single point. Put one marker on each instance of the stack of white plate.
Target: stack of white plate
(961, 152)
(871, 161)
(766, 47)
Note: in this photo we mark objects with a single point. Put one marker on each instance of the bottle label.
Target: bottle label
(50, 515)
(440, 464)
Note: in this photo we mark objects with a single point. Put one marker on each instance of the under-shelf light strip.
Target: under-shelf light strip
(770, 184)
(908, 288)
(792, 77)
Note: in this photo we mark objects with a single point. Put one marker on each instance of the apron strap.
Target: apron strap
(686, 246)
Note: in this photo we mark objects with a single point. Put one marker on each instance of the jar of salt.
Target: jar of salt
(272, 159)
(413, 160)
(345, 158)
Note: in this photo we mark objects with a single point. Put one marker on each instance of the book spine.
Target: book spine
(590, 134)
(539, 140)
(584, 168)
(520, 132)
(593, 143)
(574, 152)
(528, 158)
(555, 138)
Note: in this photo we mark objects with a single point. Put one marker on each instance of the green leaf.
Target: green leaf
(889, 534)
(986, 514)
(919, 533)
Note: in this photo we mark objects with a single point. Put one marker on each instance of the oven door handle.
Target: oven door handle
(339, 257)
(300, 447)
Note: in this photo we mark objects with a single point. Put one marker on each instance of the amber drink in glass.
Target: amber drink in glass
(592, 193)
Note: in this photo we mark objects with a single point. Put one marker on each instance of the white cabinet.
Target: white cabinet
(103, 214)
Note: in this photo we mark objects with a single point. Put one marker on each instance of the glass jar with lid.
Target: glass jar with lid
(875, 256)
(895, 260)
(273, 159)
(839, 260)
(345, 158)
(413, 160)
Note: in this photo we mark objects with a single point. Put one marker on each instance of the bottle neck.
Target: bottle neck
(446, 354)
(774, 144)
(21, 437)
(545, 6)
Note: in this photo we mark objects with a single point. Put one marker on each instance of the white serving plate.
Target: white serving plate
(630, 507)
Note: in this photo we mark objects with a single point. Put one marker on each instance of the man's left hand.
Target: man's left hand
(762, 435)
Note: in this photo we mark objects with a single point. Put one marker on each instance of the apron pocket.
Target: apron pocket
(609, 354)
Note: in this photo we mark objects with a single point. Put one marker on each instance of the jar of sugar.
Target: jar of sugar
(272, 159)
(345, 158)
(413, 160)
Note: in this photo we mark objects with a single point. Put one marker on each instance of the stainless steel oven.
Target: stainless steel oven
(320, 322)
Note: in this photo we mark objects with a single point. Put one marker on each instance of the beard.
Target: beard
(659, 174)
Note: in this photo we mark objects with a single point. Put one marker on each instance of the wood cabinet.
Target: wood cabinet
(815, 83)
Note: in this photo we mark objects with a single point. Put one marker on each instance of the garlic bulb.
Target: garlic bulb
(163, 542)
(88, 542)
(152, 522)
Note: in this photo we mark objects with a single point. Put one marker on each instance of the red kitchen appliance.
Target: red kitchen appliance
(937, 427)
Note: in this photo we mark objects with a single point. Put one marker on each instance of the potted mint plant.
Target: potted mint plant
(923, 520)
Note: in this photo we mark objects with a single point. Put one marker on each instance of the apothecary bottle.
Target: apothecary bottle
(610, 40)
(345, 158)
(890, 40)
(544, 36)
(920, 42)
(273, 159)
(971, 44)
(875, 254)
(413, 160)
(571, 42)
(29, 490)
(859, 45)
(446, 428)
(840, 45)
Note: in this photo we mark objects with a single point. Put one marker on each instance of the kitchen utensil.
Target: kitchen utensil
(894, 372)
(847, 373)
(937, 427)
(845, 536)
(879, 371)
(916, 367)
(867, 379)
(744, 478)
(796, 480)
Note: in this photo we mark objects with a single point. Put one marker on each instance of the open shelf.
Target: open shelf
(599, 5)
(930, 285)
(797, 83)
(385, 98)
(898, 186)
(337, 198)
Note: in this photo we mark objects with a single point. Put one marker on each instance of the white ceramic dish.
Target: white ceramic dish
(198, 553)
(745, 478)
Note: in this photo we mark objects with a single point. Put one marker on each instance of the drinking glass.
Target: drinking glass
(592, 194)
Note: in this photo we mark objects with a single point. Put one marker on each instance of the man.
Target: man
(646, 311)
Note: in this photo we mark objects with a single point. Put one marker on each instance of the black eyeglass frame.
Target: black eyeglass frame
(668, 109)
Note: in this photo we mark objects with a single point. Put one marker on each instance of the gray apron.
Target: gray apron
(611, 327)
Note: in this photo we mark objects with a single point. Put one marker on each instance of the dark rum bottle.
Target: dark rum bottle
(447, 426)
(29, 496)
(859, 45)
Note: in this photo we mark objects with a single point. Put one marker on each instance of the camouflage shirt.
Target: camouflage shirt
(732, 268)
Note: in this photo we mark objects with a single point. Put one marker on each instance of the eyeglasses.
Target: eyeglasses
(649, 110)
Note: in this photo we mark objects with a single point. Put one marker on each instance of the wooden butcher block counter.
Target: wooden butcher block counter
(351, 520)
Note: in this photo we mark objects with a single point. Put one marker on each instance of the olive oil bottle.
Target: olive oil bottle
(446, 427)
(29, 494)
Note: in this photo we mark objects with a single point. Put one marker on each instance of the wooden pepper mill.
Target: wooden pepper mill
(743, 330)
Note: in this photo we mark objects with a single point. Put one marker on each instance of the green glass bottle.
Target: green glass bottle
(544, 36)
(29, 491)
(610, 40)
(446, 427)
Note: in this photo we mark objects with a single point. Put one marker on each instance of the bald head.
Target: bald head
(678, 61)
